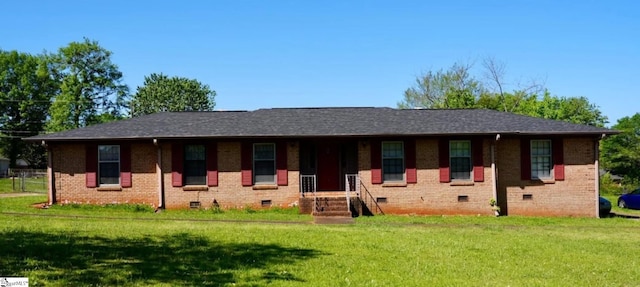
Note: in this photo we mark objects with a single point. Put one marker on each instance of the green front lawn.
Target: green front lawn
(11, 185)
(6, 185)
(132, 246)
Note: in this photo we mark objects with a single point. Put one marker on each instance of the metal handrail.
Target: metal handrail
(378, 208)
(351, 183)
(308, 184)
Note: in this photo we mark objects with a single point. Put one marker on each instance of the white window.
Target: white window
(392, 161)
(541, 159)
(264, 163)
(109, 164)
(460, 160)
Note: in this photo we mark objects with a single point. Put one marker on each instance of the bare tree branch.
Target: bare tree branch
(494, 72)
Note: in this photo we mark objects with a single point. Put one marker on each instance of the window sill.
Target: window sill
(265, 187)
(394, 184)
(462, 183)
(109, 188)
(544, 180)
(195, 188)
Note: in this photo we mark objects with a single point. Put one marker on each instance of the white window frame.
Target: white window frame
(100, 161)
(451, 156)
(534, 171)
(401, 158)
(255, 181)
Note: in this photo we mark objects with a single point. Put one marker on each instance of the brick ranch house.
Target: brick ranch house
(381, 160)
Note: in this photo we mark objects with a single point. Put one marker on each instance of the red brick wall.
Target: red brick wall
(70, 186)
(230, 193)
(575, 196)
(428, 195)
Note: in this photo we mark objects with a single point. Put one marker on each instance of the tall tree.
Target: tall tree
(91, 86)
(26, 88)
(457, 88)
(621, 153)
(161, 93)
(495, 74)
(571, 109)
(453, 88)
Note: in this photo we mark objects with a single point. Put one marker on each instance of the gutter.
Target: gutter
(159, 173)
(602, 131)
(494, 179)
(596, 163)
(50, 175)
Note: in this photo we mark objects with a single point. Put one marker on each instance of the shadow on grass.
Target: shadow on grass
(177, 260)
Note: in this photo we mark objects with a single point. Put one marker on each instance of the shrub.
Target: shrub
(609, 187)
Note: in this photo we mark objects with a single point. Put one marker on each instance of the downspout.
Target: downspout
(596, 163)
(494, 179)
(50, 174)
(159, 173)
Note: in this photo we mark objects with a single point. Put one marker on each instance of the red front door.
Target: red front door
(328, 155)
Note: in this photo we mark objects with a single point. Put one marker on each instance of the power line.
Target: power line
(50, 102)
(17, 132)
(28, 122)
(10, 137)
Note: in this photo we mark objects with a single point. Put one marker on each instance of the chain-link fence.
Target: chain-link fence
(29, 180)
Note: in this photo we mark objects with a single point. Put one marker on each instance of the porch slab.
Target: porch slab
(341, 193)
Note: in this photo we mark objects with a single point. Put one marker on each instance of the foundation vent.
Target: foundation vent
(381, 199)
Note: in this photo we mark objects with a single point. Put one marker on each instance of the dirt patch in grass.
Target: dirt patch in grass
(19, 194)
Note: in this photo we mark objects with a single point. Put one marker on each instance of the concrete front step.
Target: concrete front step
(333, 203)
(332, 213)
(333, 220)
(332, 200)
(341, 208)
(332, 207)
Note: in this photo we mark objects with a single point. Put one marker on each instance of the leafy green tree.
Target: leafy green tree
(457, 88)
(572, 109)
(161, 93)
(453, 88)
(91, 86)
(521, 99)
(620, 153)
(26, 88)
(517, 102)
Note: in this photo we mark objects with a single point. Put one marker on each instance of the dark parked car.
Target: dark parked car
(630, 200)
(605, 206)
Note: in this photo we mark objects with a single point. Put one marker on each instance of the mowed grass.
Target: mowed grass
(132, 246)
(12, 185)
(6, 185)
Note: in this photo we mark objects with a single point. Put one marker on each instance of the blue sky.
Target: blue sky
(261, 54)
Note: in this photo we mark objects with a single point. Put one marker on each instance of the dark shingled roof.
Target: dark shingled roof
(322, 122)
